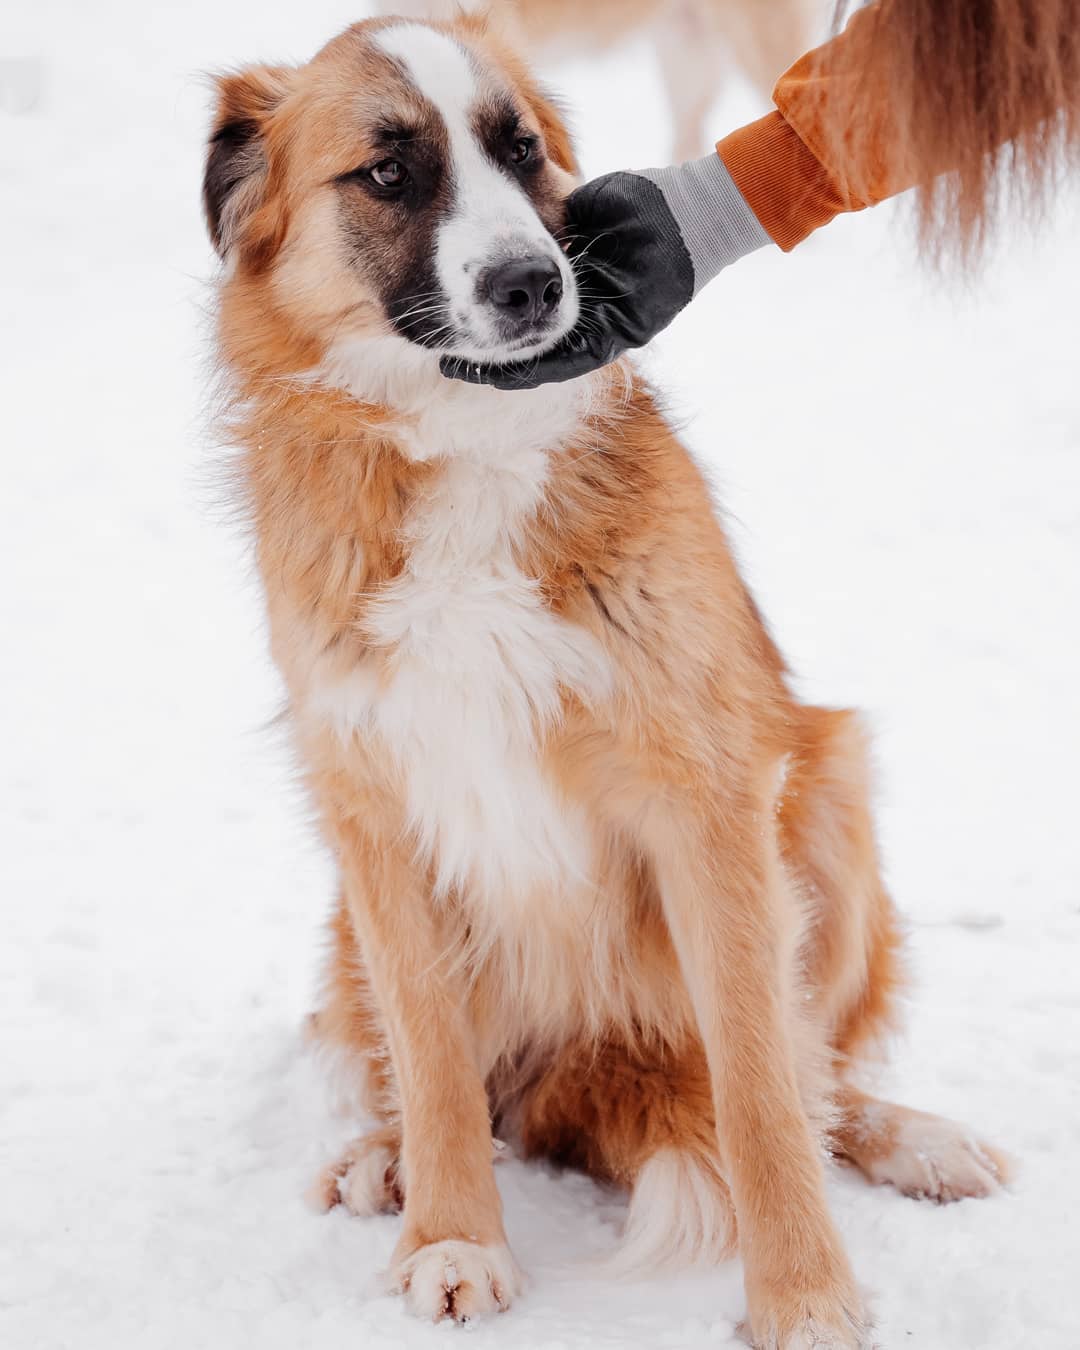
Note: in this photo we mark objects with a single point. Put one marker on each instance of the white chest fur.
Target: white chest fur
(477, 665)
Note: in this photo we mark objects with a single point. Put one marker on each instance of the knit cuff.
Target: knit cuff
(790, 191)
(716, 223)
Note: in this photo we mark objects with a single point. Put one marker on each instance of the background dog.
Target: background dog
(604, 881)
(697, 42)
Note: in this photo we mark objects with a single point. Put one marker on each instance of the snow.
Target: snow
(900, 461)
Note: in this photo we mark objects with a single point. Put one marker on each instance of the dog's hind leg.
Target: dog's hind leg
(923, 1156)
(854, 968)
(347, 1023)
(644, 1120)
(852, 953)
(367, 1178)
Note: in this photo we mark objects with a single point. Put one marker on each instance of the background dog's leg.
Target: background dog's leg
(767, 36)
(693, 59)
(735, 928)
(451, 1259)
(700, 41)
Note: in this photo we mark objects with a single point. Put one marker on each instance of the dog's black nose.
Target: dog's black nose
(528, 290)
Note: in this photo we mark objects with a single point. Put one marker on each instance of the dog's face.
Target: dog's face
(410, 179)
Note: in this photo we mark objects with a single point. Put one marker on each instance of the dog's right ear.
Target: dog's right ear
(241, 212)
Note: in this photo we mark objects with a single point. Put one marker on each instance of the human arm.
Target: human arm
(913, 93)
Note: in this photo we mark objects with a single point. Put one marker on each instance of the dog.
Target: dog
(606, 887)
(696, 42)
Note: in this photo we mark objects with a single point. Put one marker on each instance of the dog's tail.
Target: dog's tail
(680, 1215)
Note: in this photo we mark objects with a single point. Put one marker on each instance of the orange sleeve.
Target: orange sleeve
(796, 175)
(789, 190)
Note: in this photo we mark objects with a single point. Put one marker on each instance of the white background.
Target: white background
(900, 464)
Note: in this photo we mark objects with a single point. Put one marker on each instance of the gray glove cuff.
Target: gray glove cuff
(717, 225)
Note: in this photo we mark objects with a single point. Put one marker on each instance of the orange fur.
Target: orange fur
(696, 992)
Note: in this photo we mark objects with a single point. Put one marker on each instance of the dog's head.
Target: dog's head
(410, 179)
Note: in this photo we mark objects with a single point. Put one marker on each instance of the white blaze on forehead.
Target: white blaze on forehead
(438, 67)
(491, 218)
(442, 71)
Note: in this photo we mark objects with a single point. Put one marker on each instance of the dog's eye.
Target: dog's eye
(391, 173)
(522, 150)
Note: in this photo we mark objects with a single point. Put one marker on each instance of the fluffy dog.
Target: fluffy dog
(604, 883)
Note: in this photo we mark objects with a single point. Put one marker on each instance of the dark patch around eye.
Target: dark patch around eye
(422, 161)
(389, 136)
(505, 121)
(390, 237)
(498, 126)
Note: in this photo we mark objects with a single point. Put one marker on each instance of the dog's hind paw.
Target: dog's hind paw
(938, 1159)
(366, 1179)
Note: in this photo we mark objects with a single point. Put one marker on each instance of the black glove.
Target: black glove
(641, 245)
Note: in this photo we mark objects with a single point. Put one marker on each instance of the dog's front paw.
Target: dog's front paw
(456, 1279)
(811, 1321)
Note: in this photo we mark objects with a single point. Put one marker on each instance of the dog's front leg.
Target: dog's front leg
(451, 1259)
(734, 931)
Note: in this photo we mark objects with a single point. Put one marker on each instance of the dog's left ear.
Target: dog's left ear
(557, 138)
(237, 193)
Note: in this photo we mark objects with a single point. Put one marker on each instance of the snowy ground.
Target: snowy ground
(902, 467)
